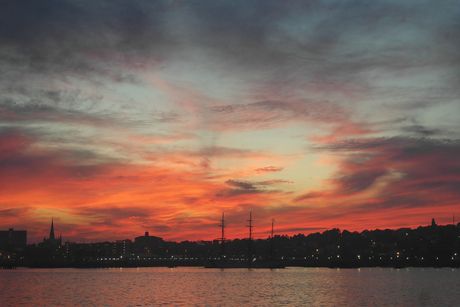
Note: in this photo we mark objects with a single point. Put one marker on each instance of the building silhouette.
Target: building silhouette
(147, 244)
(13, 240)
(52, 241)
(429, 245)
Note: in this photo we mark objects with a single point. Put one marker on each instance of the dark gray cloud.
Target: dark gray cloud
(419, 171)
(48, 106)
(21, 160)
(239, 187)
(280, 44)
(359, 181)
(420, 130)
(243, 185)
(54, 34)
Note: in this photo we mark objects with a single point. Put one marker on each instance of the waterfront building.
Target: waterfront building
(147, 244)
(13, 240)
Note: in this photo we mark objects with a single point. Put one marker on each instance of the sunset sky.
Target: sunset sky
(119, 117)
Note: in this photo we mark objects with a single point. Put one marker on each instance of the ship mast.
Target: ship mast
(222, 238)
(273, 224)
(271, 239)
(250, 227)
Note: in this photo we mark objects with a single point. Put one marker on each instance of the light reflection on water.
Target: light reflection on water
(231, 287)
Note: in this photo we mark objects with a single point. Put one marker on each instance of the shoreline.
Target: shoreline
(230, 268)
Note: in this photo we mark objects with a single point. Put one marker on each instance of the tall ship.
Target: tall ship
(250, 261)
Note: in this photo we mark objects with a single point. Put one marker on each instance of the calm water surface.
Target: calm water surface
(235, 287)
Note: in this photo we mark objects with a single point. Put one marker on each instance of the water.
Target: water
(234, 287)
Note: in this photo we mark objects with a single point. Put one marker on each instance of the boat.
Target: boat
(250, 262)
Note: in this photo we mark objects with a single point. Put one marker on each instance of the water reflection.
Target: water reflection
(197, 286)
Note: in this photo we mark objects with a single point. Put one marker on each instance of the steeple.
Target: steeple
(52, 230)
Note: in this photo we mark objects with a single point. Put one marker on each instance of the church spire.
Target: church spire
(52, 230)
